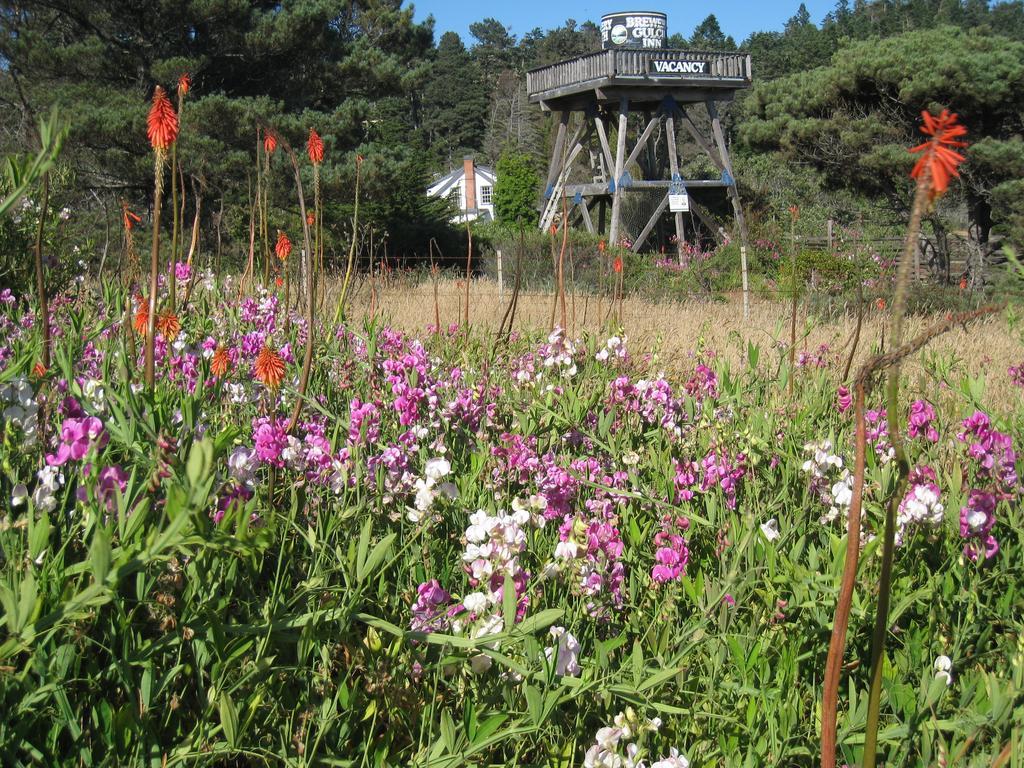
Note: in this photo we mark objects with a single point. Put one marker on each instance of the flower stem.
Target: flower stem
(154, 270)
(44, 309)
(339, 313)
(903, 469)
(837, 644)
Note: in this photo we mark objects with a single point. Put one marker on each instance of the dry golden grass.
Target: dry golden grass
(673, 330)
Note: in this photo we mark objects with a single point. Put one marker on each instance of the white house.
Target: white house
(470, 188)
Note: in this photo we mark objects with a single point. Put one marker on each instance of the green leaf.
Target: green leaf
(229, 718)
(99, 555)
(539, 621)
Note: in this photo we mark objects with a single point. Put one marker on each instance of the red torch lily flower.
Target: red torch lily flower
(283, 248)
(315, 147)
(221, 361)
(130, 219)
(141, 321)
(310, 218)
(184, 84)
(39, 370)
(270, 143)
(937, 162)
(269, 368)
(617, 264)
(601, 246)
(162, 122)
(168, 325)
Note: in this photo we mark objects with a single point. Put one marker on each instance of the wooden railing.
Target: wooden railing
(632, 64)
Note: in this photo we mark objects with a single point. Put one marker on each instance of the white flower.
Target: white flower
(424, 495)
(943, 666)
(19, 495)
(566, 661)
(566, 550)
(480, 663)
(608, 738)
(475, 602)
(436, 469)
(770, 529)
(631, 458)
(674, 760)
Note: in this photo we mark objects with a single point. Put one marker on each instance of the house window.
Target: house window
(455, 197)
(485, 194)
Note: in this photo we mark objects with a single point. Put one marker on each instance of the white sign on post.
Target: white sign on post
(679, 203)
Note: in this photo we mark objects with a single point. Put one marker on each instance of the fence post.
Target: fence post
(501, 289)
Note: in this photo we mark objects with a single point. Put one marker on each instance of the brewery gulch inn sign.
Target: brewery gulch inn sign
(634, 29)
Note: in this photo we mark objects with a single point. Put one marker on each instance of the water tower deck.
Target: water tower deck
(641, 75)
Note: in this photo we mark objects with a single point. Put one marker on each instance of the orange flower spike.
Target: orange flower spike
(938, 162)
(220, 362)
(283, 248)
(39, 370)
(270, 144)
(315, 147)
(162, 122)
(601, 246)
(141, 323)
(617, 264)
(130, 219)
(184, 85)
(168, 325)
(269, 368)
(310, 219)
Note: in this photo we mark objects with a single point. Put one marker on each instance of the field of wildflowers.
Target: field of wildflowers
(543, 552)
(457, 547)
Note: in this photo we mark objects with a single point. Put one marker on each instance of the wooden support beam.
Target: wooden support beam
(734, 195)
(645, 233)
(673, 166)
(585, 213)
(620, 156)
(592, 189)
(559, 172)
(706, 219)
(602, 136)
(556, 151)
(701, 140)
(651, 124)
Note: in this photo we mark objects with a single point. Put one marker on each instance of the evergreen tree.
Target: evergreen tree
(855, 118)
(455, 103)
(708, 36)
(515, 191)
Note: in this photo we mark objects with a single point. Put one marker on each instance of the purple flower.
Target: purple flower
(672, 554)
(976, 522)
(77, 436)
(922, 414)
(182, 271)
(430, 611)
(845, 399)
(269, 441)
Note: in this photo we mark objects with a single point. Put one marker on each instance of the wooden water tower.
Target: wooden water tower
(633, 74)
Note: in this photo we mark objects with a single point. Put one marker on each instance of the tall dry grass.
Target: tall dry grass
(673, 330)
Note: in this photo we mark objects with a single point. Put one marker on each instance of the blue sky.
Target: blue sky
(738, 17)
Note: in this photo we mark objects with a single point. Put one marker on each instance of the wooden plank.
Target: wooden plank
(591, 189)
(702, 142)
(603, 137)
(620, 151)
(556, 151)
(585, 213)
(673, 167)
(734, 196)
